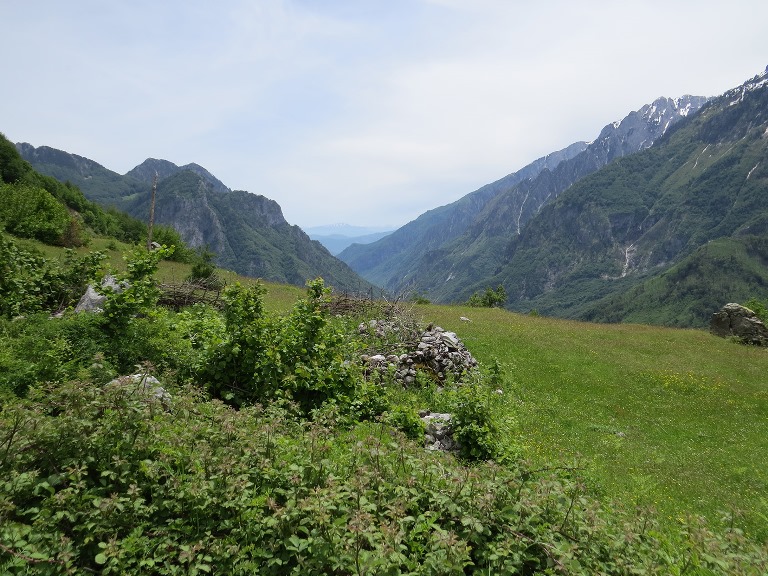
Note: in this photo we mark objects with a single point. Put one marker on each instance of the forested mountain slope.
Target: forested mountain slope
(247, 231)
(666, 235)
(462, 241)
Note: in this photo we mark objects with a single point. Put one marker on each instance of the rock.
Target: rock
(735, 320)
(438, 434)
(435, 350)
(144, 387)
(93, 301)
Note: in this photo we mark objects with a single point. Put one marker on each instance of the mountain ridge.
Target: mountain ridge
(247, 231)
(650, 216)
(468, 250)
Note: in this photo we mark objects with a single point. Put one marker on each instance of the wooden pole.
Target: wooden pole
(151, 213)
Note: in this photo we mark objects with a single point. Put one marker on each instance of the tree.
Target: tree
(490, 299)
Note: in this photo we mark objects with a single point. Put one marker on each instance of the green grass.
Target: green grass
(665, 418)
(675, 420)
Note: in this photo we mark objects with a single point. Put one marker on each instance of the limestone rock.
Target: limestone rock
(437, 351)
(93, 300)
(142, 387)
(735, 320)
(438, 434)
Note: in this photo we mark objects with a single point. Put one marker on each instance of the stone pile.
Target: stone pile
(436, 351)
(438, 433)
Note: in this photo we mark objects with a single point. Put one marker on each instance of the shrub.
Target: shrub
(203, 268)
(29, 283)
(298, 357)
(759, 308)
(473, 423)
(489, 299)
(31, 212)
(97, 481)
(140, 292)
(169, 236)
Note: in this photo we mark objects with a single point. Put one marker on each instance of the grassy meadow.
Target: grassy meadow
(669, 419)
(666, 419)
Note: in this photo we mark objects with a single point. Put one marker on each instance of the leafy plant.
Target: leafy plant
(31, 212)
(760, 308)
(138, 293)
(203, 268)
(297, 357)
(473, 423)
(489, 299)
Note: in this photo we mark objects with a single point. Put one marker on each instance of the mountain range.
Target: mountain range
(662, 218)
(247, 232)
(460, 241)
(336, 237)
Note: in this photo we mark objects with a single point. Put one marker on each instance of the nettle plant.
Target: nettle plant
(140, 291)
(298, 357)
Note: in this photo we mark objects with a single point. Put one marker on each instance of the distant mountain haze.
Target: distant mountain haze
(337, 237)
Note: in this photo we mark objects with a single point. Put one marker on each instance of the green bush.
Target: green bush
(473, 423)
(204, 269)
(139, 293)
(30, 283)
(169, 236)
(30, 212)
(758, 307)
(489, 299)
(97, 480)
(298, 357)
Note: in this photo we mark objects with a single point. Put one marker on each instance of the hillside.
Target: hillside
(388, 261)
(247, 231)
(449, 248)
(681, 225)
(599, 465)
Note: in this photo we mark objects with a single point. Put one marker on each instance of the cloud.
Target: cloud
(366, 112)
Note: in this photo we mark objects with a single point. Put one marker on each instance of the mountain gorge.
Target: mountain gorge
(446, 252)
(247, 231)
(665, 235)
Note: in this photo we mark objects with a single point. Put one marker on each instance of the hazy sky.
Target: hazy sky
(358, 111)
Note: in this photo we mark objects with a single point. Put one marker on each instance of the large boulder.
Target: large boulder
(737, 321)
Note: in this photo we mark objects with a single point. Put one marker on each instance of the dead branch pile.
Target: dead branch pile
(178, 296)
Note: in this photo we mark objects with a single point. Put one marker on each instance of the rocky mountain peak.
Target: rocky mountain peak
(47, 155)
(145, 172)
(640, 129)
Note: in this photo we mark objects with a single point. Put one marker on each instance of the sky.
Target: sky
(356, 111)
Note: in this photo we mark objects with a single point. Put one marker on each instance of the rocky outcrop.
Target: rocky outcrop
(437, 352)
(739, 322)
